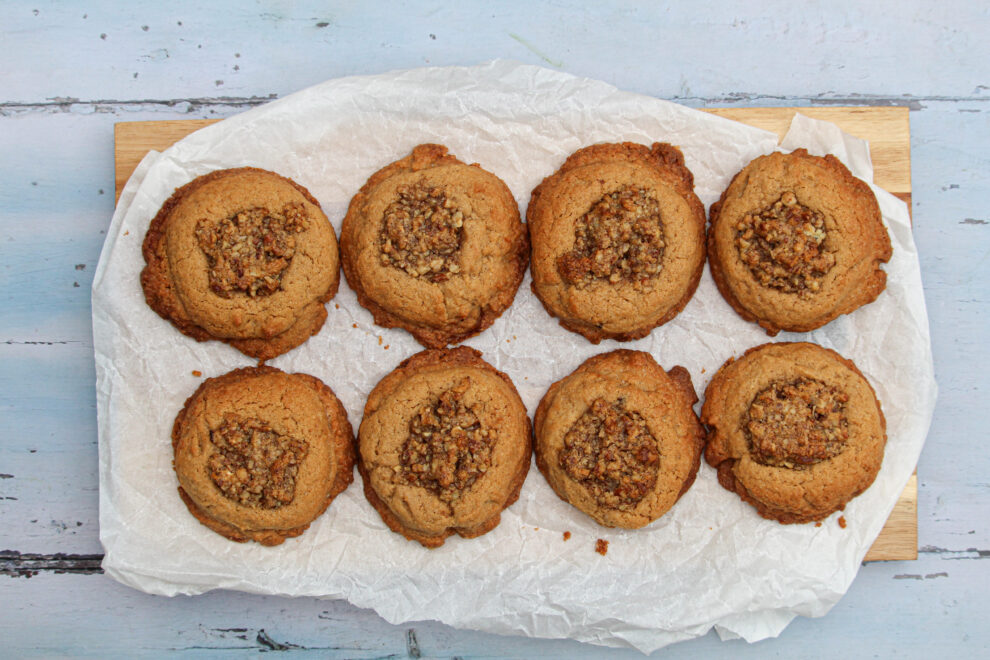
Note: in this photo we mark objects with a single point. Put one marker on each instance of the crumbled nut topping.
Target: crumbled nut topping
(601, 547)
(249, 251)
(620, 238)
(611, 451)
(448, 449)
(783, 246)
(254, 465)
(797, 424)
(422, 233)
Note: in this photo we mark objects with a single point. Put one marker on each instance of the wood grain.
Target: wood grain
(886, 129)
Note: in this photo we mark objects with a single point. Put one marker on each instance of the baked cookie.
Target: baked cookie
(793, 429)
(244, 256)
(260, 453)
(618, 240)
(434, 246)
(619, 439)
(795, 241)
(444, 446)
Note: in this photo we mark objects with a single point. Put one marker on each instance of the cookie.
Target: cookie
(260, 454)
(444, 446)
(794, 429)
(434, 246)
(244, 256)
(618, 240)
(618, 438)
(796, 241)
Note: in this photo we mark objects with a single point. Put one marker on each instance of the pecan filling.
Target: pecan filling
(422, 233)
(448, 449)
(611, 451)
(620, 238)
(783, 246)
(249, 251)
(797, 424)
(254, 465)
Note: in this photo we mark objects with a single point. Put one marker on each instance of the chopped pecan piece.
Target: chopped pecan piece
(448, 449)
(254, 465)
(783, 246)
(797, 424)
(611, 451)
(249, 251)
(422, 233)
(620, 238)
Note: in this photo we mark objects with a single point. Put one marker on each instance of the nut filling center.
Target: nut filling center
(797, 424)
(448, 449)
(249, 251)
(254, 465)
(422, 232)
(611, 451)
(783, 246)
(620, 238)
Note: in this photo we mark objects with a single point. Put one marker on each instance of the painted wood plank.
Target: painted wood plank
(194, 50)
(920, 610)
(891, 152)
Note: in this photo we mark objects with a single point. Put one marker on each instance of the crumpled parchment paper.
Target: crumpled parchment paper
(711, 561)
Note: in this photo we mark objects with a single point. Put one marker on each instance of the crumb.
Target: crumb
(127, 232)
(514, 337)
(536, 529)
(353, 325)
(197, 373)
(386, 346)
(818, 524)
(507, 341)
(601, 547)
(842, 522)
(379, 340)
(703, 370)
(336, 305)
(567, 536)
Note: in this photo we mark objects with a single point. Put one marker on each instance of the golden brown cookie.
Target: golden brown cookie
(434, 246)
(260, 453)
(444, 446)
(793, 429)
(244, 256)
(618, 240)
(795, 241)
(618, 438)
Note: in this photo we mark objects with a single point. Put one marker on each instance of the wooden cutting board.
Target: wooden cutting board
(887, 130)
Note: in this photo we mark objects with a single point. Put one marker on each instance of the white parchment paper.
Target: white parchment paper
(711, 561)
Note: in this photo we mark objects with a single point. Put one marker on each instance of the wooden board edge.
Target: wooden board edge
(898, 540)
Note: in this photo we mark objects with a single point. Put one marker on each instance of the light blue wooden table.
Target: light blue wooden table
(69, 71)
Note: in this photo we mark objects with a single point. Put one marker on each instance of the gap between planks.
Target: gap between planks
(887, 130)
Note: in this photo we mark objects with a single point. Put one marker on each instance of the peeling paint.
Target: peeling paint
(917, 576)
(16, 564)
(264, 640)
(412, 644)
(968, 553)
(58, 105)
